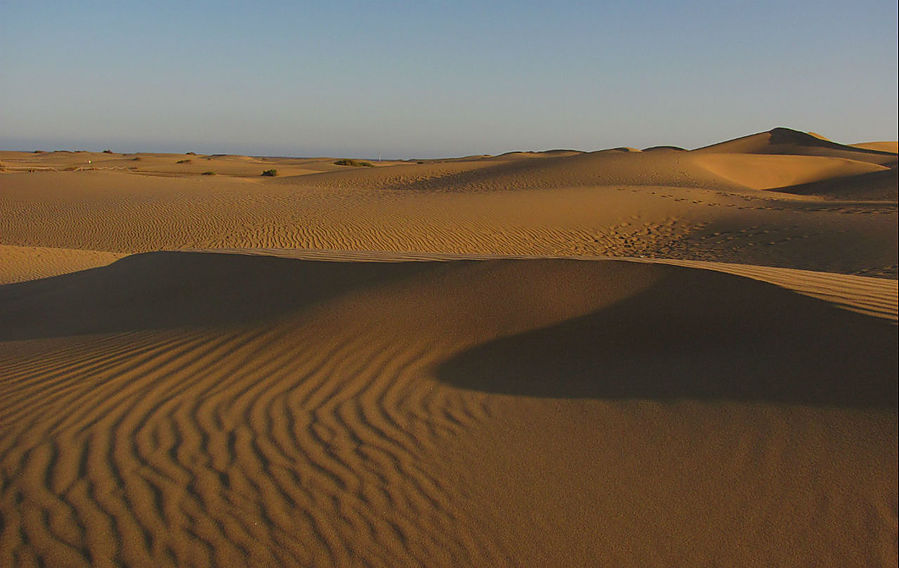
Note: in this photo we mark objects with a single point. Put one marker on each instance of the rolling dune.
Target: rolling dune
(875, 185)
(793, 142)
(123, 213)
(629, 358)
(761, 171)
(892, 147)
(238, 409)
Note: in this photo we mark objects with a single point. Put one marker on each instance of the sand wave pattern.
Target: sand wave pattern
(255, 458)
(284, 412)
(293, 443)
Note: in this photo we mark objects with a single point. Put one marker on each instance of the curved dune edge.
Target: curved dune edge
(185, 408)
(788, 141)
(876, 297)
(885, 146)
(767, 172)
(19, 264)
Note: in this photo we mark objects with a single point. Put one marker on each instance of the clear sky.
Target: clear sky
(428, 78)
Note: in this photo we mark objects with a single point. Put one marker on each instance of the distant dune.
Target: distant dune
(656, 148)
(793, 142)
(626, 358)
(891, 147)
(777, 160)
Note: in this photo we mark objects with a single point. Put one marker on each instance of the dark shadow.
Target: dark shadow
(874, 186)
(782, 135)
(162, 290)
(671, 148)
(697, 335)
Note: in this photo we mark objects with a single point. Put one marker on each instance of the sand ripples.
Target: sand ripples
(256, 447)
(296, 412)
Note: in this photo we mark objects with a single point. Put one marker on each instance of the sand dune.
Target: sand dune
(875, 185)
(777, 159)
(760, 171)
(120, 212)
(607, 167)
(874, 297)
(629, 358)
(892, 147)
(164, 164)
(794, 142)
(246, 409)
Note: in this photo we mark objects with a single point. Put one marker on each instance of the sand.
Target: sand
(624, 358)
(20, 264)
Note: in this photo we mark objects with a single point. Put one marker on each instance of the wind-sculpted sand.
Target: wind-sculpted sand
(455, 363)
(19, 264)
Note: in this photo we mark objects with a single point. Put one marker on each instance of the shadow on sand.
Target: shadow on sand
(696, 335)
(162, 290)
(693, 334)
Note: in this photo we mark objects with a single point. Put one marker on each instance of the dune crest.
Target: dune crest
(760, 171)
(18, 264)
(787, 141)
(891, 147)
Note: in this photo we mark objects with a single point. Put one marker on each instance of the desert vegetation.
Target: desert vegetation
(354, 163)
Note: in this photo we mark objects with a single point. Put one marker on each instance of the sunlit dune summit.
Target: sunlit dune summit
(656, 357)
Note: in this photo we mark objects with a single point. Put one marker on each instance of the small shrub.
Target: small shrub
(355, 163)
(135, 159)
(190, 153)
(39, 152)
(208, 173)
(107, 151)
(183, 162)
(270, 173)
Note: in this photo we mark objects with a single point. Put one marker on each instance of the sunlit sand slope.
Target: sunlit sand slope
(876, 297)
(122, 212)
(220, 409)
(892, 147)
(793, 142)
(18, 264)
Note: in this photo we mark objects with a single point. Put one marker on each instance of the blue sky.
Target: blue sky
(427, 79)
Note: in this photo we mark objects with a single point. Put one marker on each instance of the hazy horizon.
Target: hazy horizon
(437, 81)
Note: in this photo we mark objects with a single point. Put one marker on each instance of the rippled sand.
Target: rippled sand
(628, 358)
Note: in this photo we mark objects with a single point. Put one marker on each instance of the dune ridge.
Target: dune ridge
(782, 140)
(876, 297)
(19, 264)
(891, 147)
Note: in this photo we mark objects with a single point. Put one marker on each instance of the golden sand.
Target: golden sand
(656, 358)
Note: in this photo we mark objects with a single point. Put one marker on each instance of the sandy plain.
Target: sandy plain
(633, 358)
